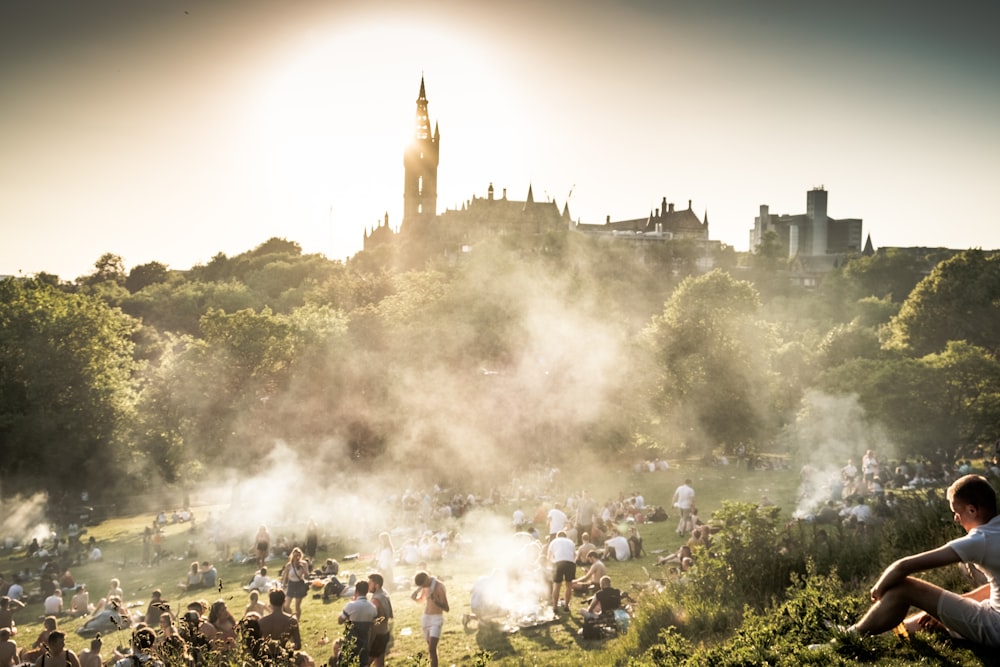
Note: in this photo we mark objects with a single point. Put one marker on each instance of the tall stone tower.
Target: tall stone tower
(816, 212)
(420, 164)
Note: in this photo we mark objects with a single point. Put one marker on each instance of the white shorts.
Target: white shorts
(973, 620)
(432, 624)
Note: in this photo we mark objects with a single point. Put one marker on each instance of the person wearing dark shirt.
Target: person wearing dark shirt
(605, 602)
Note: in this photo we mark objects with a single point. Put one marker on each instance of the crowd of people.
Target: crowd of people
(566, 548)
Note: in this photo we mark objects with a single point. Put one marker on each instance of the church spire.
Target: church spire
(423, 124)
(420, 165)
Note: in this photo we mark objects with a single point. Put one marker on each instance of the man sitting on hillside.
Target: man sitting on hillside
(975, 615)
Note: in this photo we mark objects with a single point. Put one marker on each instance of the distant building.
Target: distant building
(420, 165)
(483, 217)
(490, 215)
(809, 234)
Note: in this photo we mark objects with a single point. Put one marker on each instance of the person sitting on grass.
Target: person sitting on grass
(595, 572)
(605, 601)
(80, 604)
(260, 581)
(55, 653)
(193, 578)
(38, 649)
(255, 606)
(975, 615)
(7, 608)
(8, 648)
(91, 657)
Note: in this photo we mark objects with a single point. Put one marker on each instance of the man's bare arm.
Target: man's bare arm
(904, 567)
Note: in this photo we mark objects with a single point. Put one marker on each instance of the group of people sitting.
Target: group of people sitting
(201, 575)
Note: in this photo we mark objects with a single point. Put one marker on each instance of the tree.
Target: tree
(108, 267)
(959, 300)
(711, 357)
(941, 406)
(892, 273)
(65, 373)
(145, 275)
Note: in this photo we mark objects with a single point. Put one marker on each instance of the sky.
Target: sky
(171, 131)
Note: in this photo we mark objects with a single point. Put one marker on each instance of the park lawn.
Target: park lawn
(555, 644)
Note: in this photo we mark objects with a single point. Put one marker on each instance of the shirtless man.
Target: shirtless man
(8, 648)
(278, 625)
(57, 655)
(586, 546)
(80, 604)
(594, 573)
(91, 657)
(433, 593)
(383, 621)
(7, 608)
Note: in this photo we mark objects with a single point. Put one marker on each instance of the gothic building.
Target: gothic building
(477, 218)
(496, 214)
(666, 223)
(420, 166)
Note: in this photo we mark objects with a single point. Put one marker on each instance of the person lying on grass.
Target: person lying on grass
(974, 616)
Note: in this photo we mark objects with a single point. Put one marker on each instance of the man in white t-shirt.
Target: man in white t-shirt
(556, 520)
(617, 547)
(684, 501)
(975, 615)
(54, 603)
(562, 555)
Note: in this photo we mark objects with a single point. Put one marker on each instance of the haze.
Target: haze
(171, 132)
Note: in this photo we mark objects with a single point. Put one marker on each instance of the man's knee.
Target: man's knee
(916, 593)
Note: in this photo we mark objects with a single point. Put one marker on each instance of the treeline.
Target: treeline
(518, 352)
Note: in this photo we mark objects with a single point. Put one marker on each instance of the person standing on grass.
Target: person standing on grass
(359, 616)
(383, 621)
(562, 556)
(975, 615)
(684, 502)
(433, 593)
(293, 579)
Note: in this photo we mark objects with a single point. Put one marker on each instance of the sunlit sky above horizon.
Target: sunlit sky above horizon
(172, 131)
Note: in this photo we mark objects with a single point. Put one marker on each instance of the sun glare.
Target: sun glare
(332, 119)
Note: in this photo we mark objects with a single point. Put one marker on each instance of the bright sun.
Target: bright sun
(332, 121)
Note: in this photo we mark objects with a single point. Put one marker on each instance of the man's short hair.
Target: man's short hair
(361, 589)
(605, 581)
(421, 578)
(585, 537)
(976, 491)
(56, 635)
(377, 578)
(276, 598)
(593, 553)
(561, 533)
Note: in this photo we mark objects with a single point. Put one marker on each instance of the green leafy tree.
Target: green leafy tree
(712, 357)
(108, 267)
(940, 406)
(65, 371)
(892, 273)
(959, 300)
(145, 275)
